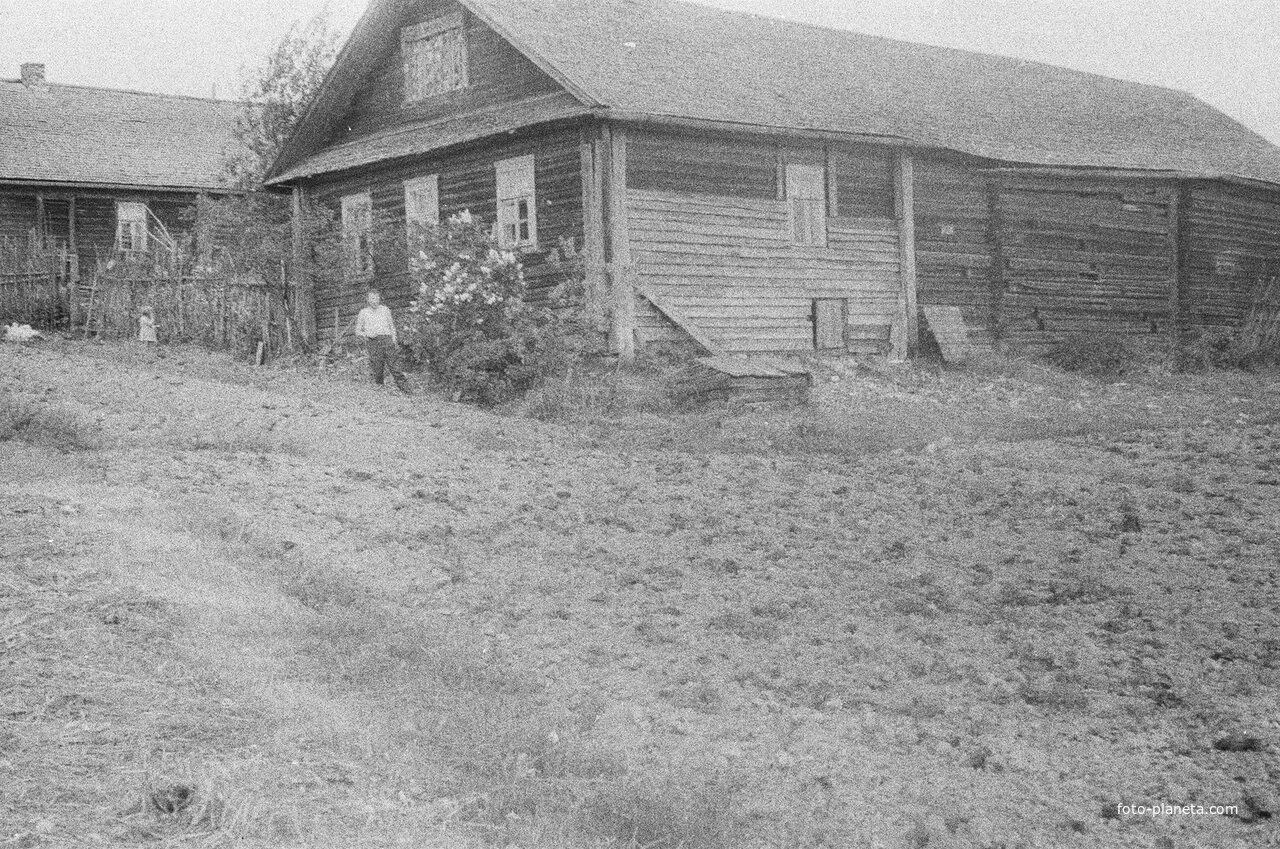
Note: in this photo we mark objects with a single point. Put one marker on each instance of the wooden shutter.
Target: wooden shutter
(807, 202)
(357, 224)
(422, 201)
(435, 57)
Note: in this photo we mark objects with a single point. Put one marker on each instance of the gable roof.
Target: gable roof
(665, 59)
(77, 135)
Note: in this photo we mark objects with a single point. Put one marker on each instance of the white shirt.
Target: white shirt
(376, 321)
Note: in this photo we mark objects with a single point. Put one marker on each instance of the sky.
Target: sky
(1225, 51)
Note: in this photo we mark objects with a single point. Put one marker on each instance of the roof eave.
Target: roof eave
(60, 185)
(680, 121)
(1154, 174)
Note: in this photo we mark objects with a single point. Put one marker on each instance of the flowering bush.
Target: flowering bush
(470, 322)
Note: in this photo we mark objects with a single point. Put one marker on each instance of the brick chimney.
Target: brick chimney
(33, 75)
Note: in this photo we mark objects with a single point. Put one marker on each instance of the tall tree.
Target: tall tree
(276, 96)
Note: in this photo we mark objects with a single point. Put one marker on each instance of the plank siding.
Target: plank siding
(1232, 245)
(468, 181)
(729, 265)
(498, 73)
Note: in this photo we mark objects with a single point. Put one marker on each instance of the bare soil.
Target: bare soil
(976, 608)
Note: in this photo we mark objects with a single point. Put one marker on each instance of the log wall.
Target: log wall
(955, 245)
(468, 181)
(1085, 258)
(1034, 261)
(1232, 245)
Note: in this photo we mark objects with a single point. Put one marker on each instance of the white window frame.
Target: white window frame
(807, 204)
(132, 226)
(357, 230)
(517, 227)
(440, 40)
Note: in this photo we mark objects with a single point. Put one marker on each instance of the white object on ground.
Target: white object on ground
(20, 333)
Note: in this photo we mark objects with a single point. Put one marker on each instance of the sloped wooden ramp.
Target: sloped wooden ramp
(730, 377)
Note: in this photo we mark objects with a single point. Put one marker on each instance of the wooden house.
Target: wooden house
(91, 174)
(766, 186)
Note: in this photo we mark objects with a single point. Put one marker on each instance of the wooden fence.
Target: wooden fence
(223, 312)
(35, 283)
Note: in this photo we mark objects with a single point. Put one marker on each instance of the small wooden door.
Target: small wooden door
(830, 324)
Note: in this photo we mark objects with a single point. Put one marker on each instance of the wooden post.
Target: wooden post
(620, 272)
(303, 300)
(72, 244)
(593, 228)
(833, 191)
(907, 342)
(40, 220)
(995, 238)
(1179, 201)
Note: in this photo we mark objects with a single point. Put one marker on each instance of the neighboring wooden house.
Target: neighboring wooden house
(96, 173)
(766, 186)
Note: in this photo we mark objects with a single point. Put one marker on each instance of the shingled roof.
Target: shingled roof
(76, 135)
(660, 58)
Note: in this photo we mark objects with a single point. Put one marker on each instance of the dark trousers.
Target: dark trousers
(382, 359)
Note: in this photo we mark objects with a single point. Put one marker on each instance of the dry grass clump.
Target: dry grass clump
(1255, 344)
(41, 424)
(1107, 355)
(237, 441)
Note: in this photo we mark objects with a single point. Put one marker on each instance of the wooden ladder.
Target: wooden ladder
(92, 321)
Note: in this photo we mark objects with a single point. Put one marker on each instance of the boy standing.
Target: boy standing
(377, 326)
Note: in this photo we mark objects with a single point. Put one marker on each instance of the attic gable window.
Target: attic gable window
(131, 227)
(435, 58)
(517, 204)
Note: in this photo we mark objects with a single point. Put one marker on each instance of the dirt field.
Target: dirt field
(981, 608)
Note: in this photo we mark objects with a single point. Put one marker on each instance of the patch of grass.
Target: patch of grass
(41, 424)
(671, 808)
(589, 396)
(189, 798)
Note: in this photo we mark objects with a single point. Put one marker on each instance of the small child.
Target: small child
(147, 327)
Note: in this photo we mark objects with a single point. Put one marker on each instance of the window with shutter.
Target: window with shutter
(517, 203)
(131, 227)
(357, 235)
(807, 203)
(435, 58)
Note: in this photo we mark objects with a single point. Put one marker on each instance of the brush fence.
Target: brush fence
(230, 313)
